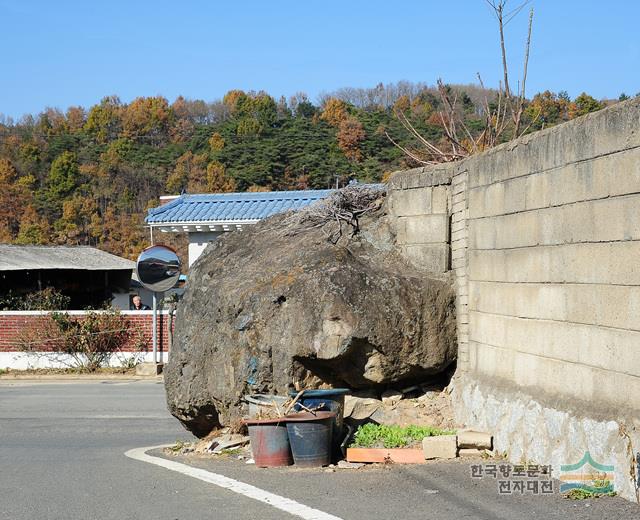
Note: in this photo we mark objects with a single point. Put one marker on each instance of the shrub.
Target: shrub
(45, 300)
(89, 341)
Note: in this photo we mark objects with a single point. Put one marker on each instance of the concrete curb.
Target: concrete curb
(79, 377)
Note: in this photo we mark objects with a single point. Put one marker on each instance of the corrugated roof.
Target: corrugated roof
(222, 207)
(16, 258)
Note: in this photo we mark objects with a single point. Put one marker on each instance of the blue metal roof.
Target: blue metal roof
(216, 207)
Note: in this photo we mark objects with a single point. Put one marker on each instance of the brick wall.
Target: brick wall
(13, 322)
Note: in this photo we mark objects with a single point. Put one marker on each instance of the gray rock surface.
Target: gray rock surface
(360, 408)
(265, 309)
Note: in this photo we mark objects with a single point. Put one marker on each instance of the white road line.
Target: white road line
(284, 504)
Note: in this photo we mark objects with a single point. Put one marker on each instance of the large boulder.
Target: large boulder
(279, 304)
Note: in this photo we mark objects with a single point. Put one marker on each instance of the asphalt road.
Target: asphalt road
(62, 457)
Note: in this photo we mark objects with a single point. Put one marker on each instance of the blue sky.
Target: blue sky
(71, 52)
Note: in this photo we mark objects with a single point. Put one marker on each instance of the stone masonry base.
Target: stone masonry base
(527, 431)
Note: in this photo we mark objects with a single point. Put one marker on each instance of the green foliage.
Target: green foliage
(585, 104)
(260, 108)
(45, 300)
(88, 176)
(584, 494)
(305, 109)
(63, 178)
(598, 486)
(104, 120)
(89, 340)
(30, 234)
(392, 436)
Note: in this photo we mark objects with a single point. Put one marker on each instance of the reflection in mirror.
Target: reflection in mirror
(158, 268)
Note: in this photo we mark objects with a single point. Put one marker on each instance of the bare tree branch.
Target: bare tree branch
(407, 152)
(501, 119)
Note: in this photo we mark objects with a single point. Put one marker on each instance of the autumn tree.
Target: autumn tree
(190, 173)
(75, 226)
(12, 200)
(217, 179)
(402, 104)
(216, 142)
(181, 130)
(350, 134)
(547, 108)
(52, 122)
(123, 234)
(34, 229)
(291, 181)
(254, 188)
(147, 118)
(115, 155)
(248, 126)
(76, 118)
(335, 111)
(30, 157)
(231, 99)
(89, 175)
(255, 113)
(501, 118)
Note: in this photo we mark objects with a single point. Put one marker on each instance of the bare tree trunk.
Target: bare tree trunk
(525, 66)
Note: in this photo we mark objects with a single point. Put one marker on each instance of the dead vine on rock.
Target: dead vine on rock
(343, 207)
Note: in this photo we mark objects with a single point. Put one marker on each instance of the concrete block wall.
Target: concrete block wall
(544, 237)
(553, 265)
(551, 278)
(419, 203)
(459, 261)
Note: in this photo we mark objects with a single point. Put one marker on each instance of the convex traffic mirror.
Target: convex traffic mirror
(158, 268)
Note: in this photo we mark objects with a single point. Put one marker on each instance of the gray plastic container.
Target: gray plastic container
(263, 402)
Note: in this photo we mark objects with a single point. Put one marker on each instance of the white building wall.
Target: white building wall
(198, 241)
(120, 301)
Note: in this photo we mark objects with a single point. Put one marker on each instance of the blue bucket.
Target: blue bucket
(310, 438)
(331, 400)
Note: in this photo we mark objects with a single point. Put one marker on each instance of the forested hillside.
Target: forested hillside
(87, 175)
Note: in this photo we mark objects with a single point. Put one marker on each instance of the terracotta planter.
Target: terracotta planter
(396, 455)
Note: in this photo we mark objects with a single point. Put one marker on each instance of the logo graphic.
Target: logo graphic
(587, 475)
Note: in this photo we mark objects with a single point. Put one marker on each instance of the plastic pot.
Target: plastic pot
(310, 437)
(330, 399)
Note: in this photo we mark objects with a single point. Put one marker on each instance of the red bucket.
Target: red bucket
(269, 442)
